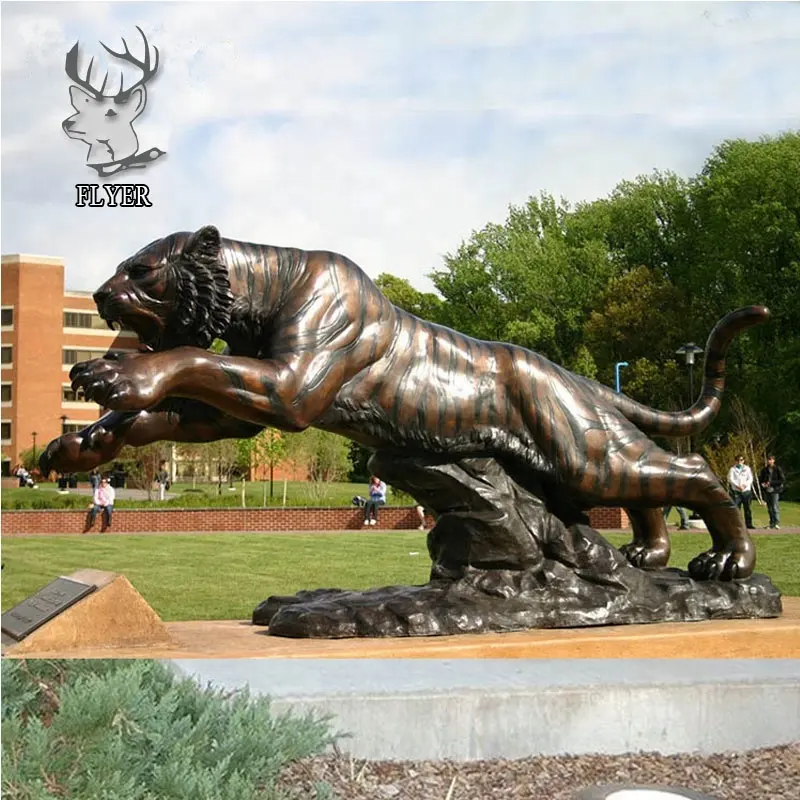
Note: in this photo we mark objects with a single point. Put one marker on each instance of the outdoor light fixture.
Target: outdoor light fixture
(617, 368)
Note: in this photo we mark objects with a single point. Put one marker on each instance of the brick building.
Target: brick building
(44, 330)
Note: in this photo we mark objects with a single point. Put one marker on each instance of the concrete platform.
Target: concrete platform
(231, 639)
(473, 709)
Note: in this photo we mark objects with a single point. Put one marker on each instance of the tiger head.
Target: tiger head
(175, 291)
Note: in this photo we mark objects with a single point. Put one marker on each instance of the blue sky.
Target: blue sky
(386, 131)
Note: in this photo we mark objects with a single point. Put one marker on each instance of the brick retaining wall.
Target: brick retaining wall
(48, 521)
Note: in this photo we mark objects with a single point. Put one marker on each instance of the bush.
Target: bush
(131, 730)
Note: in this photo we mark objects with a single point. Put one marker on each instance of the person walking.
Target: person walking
(377, 498)
(740, 485)
(684, 526)
(772, 479)
(94, 480)
(103, 502)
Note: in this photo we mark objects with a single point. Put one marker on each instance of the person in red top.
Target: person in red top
(104, 496)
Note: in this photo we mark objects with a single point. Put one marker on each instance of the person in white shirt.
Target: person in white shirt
(740, 485)
(103, 498)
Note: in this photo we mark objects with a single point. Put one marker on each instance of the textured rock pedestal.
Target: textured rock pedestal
(503, 562)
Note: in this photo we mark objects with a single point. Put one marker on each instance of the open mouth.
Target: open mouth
(148, 328)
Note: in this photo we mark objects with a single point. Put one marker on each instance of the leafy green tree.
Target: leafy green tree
(326, 455)
(748, 210)
(639, 317)
(530, 281)
(269, 448)
(401, 293)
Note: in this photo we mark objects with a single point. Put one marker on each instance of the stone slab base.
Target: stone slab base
(471, 710)
(233, 639)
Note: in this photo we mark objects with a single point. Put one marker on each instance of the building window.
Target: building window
(5, 355)
(5, 393)
(76, 356)
(72, 319)
(6, 468)
(72, 427)
(69, 395)
(5, 431)
(86, 320)
(6, 317)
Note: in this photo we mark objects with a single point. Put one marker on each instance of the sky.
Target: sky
(384, 131)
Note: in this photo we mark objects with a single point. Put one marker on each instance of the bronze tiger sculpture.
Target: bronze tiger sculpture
(312, 342)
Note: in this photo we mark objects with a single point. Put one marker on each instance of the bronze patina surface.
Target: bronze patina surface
(507, 448)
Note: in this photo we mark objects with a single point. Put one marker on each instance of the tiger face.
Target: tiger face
(173, 292)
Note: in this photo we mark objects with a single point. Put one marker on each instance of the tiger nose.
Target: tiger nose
(101, 295)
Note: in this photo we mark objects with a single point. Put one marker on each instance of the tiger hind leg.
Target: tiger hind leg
(654, 477)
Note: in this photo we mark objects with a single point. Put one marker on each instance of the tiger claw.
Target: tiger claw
(644, 557)
(731, 564)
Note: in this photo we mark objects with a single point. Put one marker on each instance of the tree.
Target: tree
(359, 457)
(401, 293)
(141, 464)
(624, 327)
(269, 448)
(748, 211)
(230, 455)
(530, 281)
(326, 455)
(194, 453)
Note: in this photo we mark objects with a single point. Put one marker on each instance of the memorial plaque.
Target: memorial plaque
(43, 606)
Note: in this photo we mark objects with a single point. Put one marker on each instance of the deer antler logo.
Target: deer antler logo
(105, 121)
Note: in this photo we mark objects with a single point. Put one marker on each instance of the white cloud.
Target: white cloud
(387, 132)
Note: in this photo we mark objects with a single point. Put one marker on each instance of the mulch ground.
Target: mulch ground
(768, 774)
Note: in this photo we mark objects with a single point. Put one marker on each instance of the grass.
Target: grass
(224, 576)
(298, 493)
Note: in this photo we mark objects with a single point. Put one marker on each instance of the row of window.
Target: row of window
(72, 319)
(66, 427)
(69, 356)
(68, 395)
(75, 319)
(76, 356)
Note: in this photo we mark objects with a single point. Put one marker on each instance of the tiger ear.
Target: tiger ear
(203, 244)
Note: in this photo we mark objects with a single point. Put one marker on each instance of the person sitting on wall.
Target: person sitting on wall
(103, 501)
(25, 479)
(377, 498)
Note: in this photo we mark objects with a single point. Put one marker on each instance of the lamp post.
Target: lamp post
(617, 368)
(689, 351)
(33, 435)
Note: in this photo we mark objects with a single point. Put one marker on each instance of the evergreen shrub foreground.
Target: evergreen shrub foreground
(132, 730)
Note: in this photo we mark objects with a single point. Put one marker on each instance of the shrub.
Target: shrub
(131, 730)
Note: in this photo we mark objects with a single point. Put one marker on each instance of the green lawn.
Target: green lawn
(224, 576)
(298, 493)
